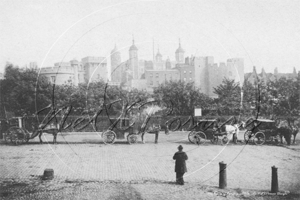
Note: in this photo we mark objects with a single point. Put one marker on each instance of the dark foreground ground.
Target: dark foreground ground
(85, 168)
(76, 189)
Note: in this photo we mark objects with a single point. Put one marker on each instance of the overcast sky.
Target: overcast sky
(266, 33)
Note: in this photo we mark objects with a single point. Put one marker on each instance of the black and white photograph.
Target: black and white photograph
(149, 99)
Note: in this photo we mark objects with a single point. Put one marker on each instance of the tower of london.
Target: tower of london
(148, 74)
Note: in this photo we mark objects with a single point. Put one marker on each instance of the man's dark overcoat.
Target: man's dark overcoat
(180, 157)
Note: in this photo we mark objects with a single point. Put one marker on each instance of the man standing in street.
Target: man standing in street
(180, 166)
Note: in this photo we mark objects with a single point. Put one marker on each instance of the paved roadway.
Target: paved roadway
(83, 156)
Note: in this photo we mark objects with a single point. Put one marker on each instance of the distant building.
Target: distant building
(207, 75)
(95, 69)
(253, 76)
(156, 77)
(148, 74)
(58, 75)
(186, 72)
(90, 69)
(202, 71)
(33, 65)
(79, 72)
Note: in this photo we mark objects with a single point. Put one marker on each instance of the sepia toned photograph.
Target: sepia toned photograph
(149, 99)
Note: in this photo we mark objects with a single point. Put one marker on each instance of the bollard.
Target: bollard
(222, 176)
(48, 174)
(274, 183)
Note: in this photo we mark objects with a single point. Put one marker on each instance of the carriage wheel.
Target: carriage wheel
(17, 135)
(131, 138)
(191, 136)
(259, 138)
(109, 137)
(201, 137)
(225, 140)
(247, 136)
(215, 139)
(197, 137)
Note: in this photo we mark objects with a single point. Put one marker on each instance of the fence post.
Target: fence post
(48, 174)
(274, 183)
(222, 175)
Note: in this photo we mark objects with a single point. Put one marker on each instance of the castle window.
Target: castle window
(156, 75)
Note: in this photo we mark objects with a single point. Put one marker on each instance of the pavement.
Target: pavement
(83, 158)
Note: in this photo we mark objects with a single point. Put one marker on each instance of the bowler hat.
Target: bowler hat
(180, 147)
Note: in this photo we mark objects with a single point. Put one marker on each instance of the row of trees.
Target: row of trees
(24, 91)
(269, 99)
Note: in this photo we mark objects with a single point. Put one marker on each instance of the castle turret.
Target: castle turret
(179, 54)
(158, 56)
(159, 65)
(133, 61)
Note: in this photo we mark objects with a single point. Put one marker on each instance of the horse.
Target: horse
(286, 129)
(49, 128)
(231, 131)
(153, 129)
(288, 133)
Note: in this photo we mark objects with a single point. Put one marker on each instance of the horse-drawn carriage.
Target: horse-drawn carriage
(120, 127)
(209, 129)
(18, 133)
(117, 130)
(261, 130)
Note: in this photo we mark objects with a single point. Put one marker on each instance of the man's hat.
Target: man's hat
(180, 147)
